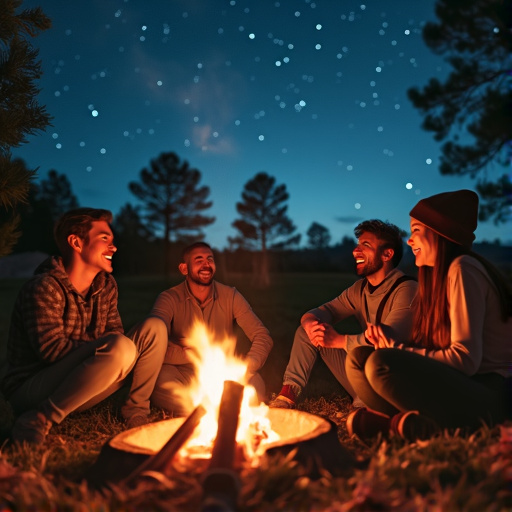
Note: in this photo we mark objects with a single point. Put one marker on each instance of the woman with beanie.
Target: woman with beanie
(454, 371)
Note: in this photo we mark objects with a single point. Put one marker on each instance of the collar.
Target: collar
(211, 296)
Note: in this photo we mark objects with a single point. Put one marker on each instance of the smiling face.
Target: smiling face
(423, 244)
(368, 255)
(199, 266)
(98, 248)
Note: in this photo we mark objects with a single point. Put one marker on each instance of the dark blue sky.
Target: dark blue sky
(311, 92)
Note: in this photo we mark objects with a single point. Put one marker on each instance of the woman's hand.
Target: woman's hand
(375, 335)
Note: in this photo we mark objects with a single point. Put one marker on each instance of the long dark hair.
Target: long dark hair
(431, 317)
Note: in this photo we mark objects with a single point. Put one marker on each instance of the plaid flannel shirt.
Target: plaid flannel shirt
(50, 319)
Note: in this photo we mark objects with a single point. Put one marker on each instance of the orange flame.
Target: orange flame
(215, 362)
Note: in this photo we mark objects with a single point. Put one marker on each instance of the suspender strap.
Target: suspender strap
(392, 288)
(399, 281)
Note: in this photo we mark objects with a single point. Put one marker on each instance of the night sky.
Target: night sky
(313, 93)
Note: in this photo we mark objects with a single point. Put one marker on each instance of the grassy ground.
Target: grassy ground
(448, 472)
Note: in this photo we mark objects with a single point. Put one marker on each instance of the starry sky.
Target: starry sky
(312, 92)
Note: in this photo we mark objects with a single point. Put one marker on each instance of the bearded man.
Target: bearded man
(200, 298)
(382, 297)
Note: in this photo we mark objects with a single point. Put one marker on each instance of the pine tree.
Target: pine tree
(472, 109)
(20, 113)
(172, 200)
(263, 222)
(318, 236)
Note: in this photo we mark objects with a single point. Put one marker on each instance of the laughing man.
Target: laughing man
(383, 296)
(66, 348)
(218, 306)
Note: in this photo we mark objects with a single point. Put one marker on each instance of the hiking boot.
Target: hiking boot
(137, 420)
(287, 397)
(367, 424)
(412, 425)
(31, 427)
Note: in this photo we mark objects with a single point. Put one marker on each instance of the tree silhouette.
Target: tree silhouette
(128, 223)
(318, 236)
(56, 192)
(130, 234)
(20, 113)
(172, 200)
(264, 222)
(476, 98)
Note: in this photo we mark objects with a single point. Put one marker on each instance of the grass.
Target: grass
(448, 472)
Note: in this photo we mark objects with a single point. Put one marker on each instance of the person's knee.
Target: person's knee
(120, 350)
(150, 333)
(357, 357)
(379, 364)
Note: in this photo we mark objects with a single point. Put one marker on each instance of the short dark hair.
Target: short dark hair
(185, 253)
(388, 233)
(77, 222)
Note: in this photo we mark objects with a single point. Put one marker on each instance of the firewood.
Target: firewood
(162, 460)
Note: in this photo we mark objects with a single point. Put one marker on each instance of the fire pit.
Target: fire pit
(225, 431)
(291, 426)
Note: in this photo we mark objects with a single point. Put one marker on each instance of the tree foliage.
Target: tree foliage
(47, 201)
(264, 222)
(131, 234)
(318, 236)
(20, 114)
(57, 193)
(472, 109)
(173, 199)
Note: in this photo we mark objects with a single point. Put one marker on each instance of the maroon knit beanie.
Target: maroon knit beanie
(453, 215)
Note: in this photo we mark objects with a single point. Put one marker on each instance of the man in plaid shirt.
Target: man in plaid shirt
(66, 349)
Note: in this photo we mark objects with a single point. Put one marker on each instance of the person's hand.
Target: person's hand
(314, 329)
(331, 338)
(322, 334)
(375, 335)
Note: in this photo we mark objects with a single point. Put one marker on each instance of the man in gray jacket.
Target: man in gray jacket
(383, 296)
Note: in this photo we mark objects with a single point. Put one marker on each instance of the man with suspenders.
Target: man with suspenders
(383, 296)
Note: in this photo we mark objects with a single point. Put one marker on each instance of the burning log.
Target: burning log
(221, 483)
(162, 460)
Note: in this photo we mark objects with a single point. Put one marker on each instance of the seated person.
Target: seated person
(200, 298)
(383, 295)
(453, 371)
(66, 349)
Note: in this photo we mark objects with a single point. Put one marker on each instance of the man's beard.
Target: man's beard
(198, 281)
(371, 267)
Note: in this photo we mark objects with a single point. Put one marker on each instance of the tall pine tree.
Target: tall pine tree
(173, 201)
(263, 222)
(472, 109)
(20, 113)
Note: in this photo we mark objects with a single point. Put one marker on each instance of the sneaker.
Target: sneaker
(281, 402)
(137, 420)
(31, 427)
(287, 397)
(367, 424)
(412, 425)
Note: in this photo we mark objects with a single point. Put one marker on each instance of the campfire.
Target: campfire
(227, 431)
(221, 376)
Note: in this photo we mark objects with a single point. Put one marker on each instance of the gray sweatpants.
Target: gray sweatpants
(303, 357)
